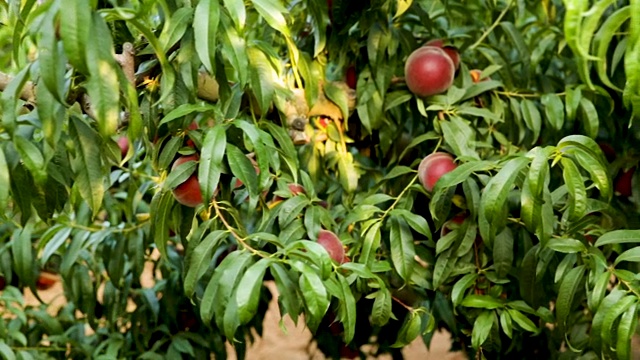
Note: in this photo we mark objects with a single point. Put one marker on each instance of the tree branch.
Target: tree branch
(27, 94)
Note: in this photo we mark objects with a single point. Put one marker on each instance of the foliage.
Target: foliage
(543, 265)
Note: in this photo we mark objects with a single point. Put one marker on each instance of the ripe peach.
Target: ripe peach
(46, 280)
(453, 53)
(428, 71)
(450, 225)
(433, 167)
(123, 143)
(608, 151)
(439, 43)
(351, 77)
(188, 193)
(332, 244)
(623, 182)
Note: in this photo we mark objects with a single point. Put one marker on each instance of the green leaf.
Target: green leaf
(409, 331)
(103, 86)
(315, 296)
(532, 119)
(242, 168)
(576, 189)
(237, 53)
(213, 150)
(567, 246)
(612, 314)
(89, 171)
(603, 39)
(248, 290)
(482, 302)
(347, 313)
(590, 117)
(503, 253)
(347, 172)
(271, 11)
(568, 289)
(10, 98)
(506, 324)
(263, 77)
(554, 110)
(598, 319)
(200, 260)
(481, 328)
(460, 136)
(175, 27)
(461, 286)
(51, 241)
(524, 322)
(184, 110)
(6, 351)
(290, 209)
(32, 158)
(381, 311)
(168, 153)
(415, 221)
(5, 181)
(52, 60)
(289, 298)
(228, 280)
(461, 173)
(572, 101)
(443, 267)
(479, 88)
(494, 197)
(22, 254)
(371, 243)
(619, 237)
(179, 175)
(237, 12)
(338, 96)
(629, 255)
(599, 289)
(402, 248)
(160, 211)
(626, 330)
(205, 28)
(74, 32)
(397, 171)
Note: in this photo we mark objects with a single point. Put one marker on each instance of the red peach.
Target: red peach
(332, 244)
(188, 193)
(428, 71)
(433, 167)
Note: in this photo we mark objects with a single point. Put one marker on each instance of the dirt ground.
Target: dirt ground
(295, 344)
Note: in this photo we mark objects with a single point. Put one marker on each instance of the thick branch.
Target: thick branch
(127, 62)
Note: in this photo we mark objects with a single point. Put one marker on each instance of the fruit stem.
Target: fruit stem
(233, 232)
(493, 26)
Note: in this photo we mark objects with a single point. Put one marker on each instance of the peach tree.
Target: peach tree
(394, 167)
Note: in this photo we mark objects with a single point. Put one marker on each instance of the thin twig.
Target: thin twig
(401, 303)
(232, 230)
(493, 26)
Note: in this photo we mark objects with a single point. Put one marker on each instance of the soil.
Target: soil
(295, 343)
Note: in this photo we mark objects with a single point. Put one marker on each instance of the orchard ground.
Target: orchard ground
(296, 344)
